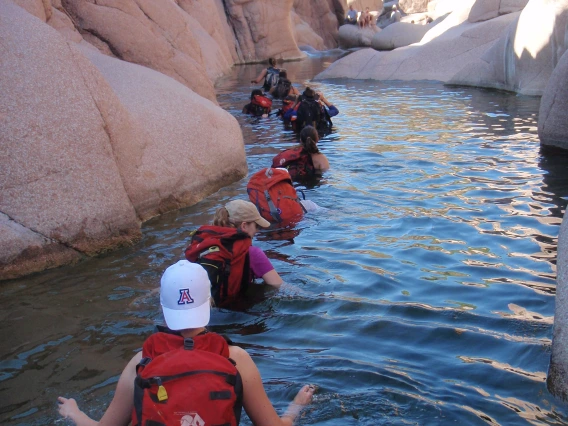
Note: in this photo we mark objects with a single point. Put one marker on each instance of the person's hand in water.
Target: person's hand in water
(303, 398)
(68, 408)
(305, 395)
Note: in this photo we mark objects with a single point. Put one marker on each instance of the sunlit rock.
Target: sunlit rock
(437, 57)
(553, 113)
(483, 10)
(523, 58)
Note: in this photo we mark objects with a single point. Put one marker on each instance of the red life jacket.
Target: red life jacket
(262, 102)
(191, 380)
(298, 162)
(223, 253)
(273, 194)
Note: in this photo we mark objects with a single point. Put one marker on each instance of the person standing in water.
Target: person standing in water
(185, 299)
(270, 76)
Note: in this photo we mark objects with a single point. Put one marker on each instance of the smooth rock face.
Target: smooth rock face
(438, 59)
(553, 114)
(158, 35)
(59, 183)
(305, 35)
(523, 58)
(397, 35)
(89, 151)
(161, 152)
(557, 379)
(314, 21)
(353, 36)
(263, 29)
(484, 10)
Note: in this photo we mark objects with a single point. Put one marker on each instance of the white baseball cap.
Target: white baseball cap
(185, 295)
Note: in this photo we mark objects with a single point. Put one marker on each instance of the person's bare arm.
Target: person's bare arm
(272, 278)
(324, 100)
(321, 163)
(256, 402)
(260, 77)
(120, 408)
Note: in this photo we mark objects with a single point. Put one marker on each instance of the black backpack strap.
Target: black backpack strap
(273, 210)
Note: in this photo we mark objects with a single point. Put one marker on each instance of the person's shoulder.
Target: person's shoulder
(256, 251)
(236, 353)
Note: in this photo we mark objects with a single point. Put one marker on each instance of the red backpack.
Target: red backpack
(271, 191)
(298, 162)
(223, 253)
(186, 381)
(262, 102)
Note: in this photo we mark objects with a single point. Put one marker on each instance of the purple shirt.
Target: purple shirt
(259, 263)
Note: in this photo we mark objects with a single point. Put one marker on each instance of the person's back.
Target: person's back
(309, 138)
(194, 369)
(282, 88)
(309, 111)
(185, 293)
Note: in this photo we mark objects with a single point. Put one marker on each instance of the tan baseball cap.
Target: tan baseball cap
(245, 211)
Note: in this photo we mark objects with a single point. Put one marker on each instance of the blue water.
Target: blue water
(423, 294)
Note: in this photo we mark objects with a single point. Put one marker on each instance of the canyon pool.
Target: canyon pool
(422, 293)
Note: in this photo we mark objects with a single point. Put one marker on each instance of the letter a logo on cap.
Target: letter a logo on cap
(184, 297)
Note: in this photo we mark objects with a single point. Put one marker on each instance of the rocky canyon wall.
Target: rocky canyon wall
(96, 95)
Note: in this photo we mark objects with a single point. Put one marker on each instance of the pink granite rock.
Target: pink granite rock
(304, 35)
(263, 29)
(318, 17)
(159, 132)
(59, 181)
(158, 35)
(39, 8)
(89, 150)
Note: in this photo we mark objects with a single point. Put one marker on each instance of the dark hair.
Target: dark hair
(308, 93)
(254, 93)
(309, 138)
(283, 74)
(272, 62)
